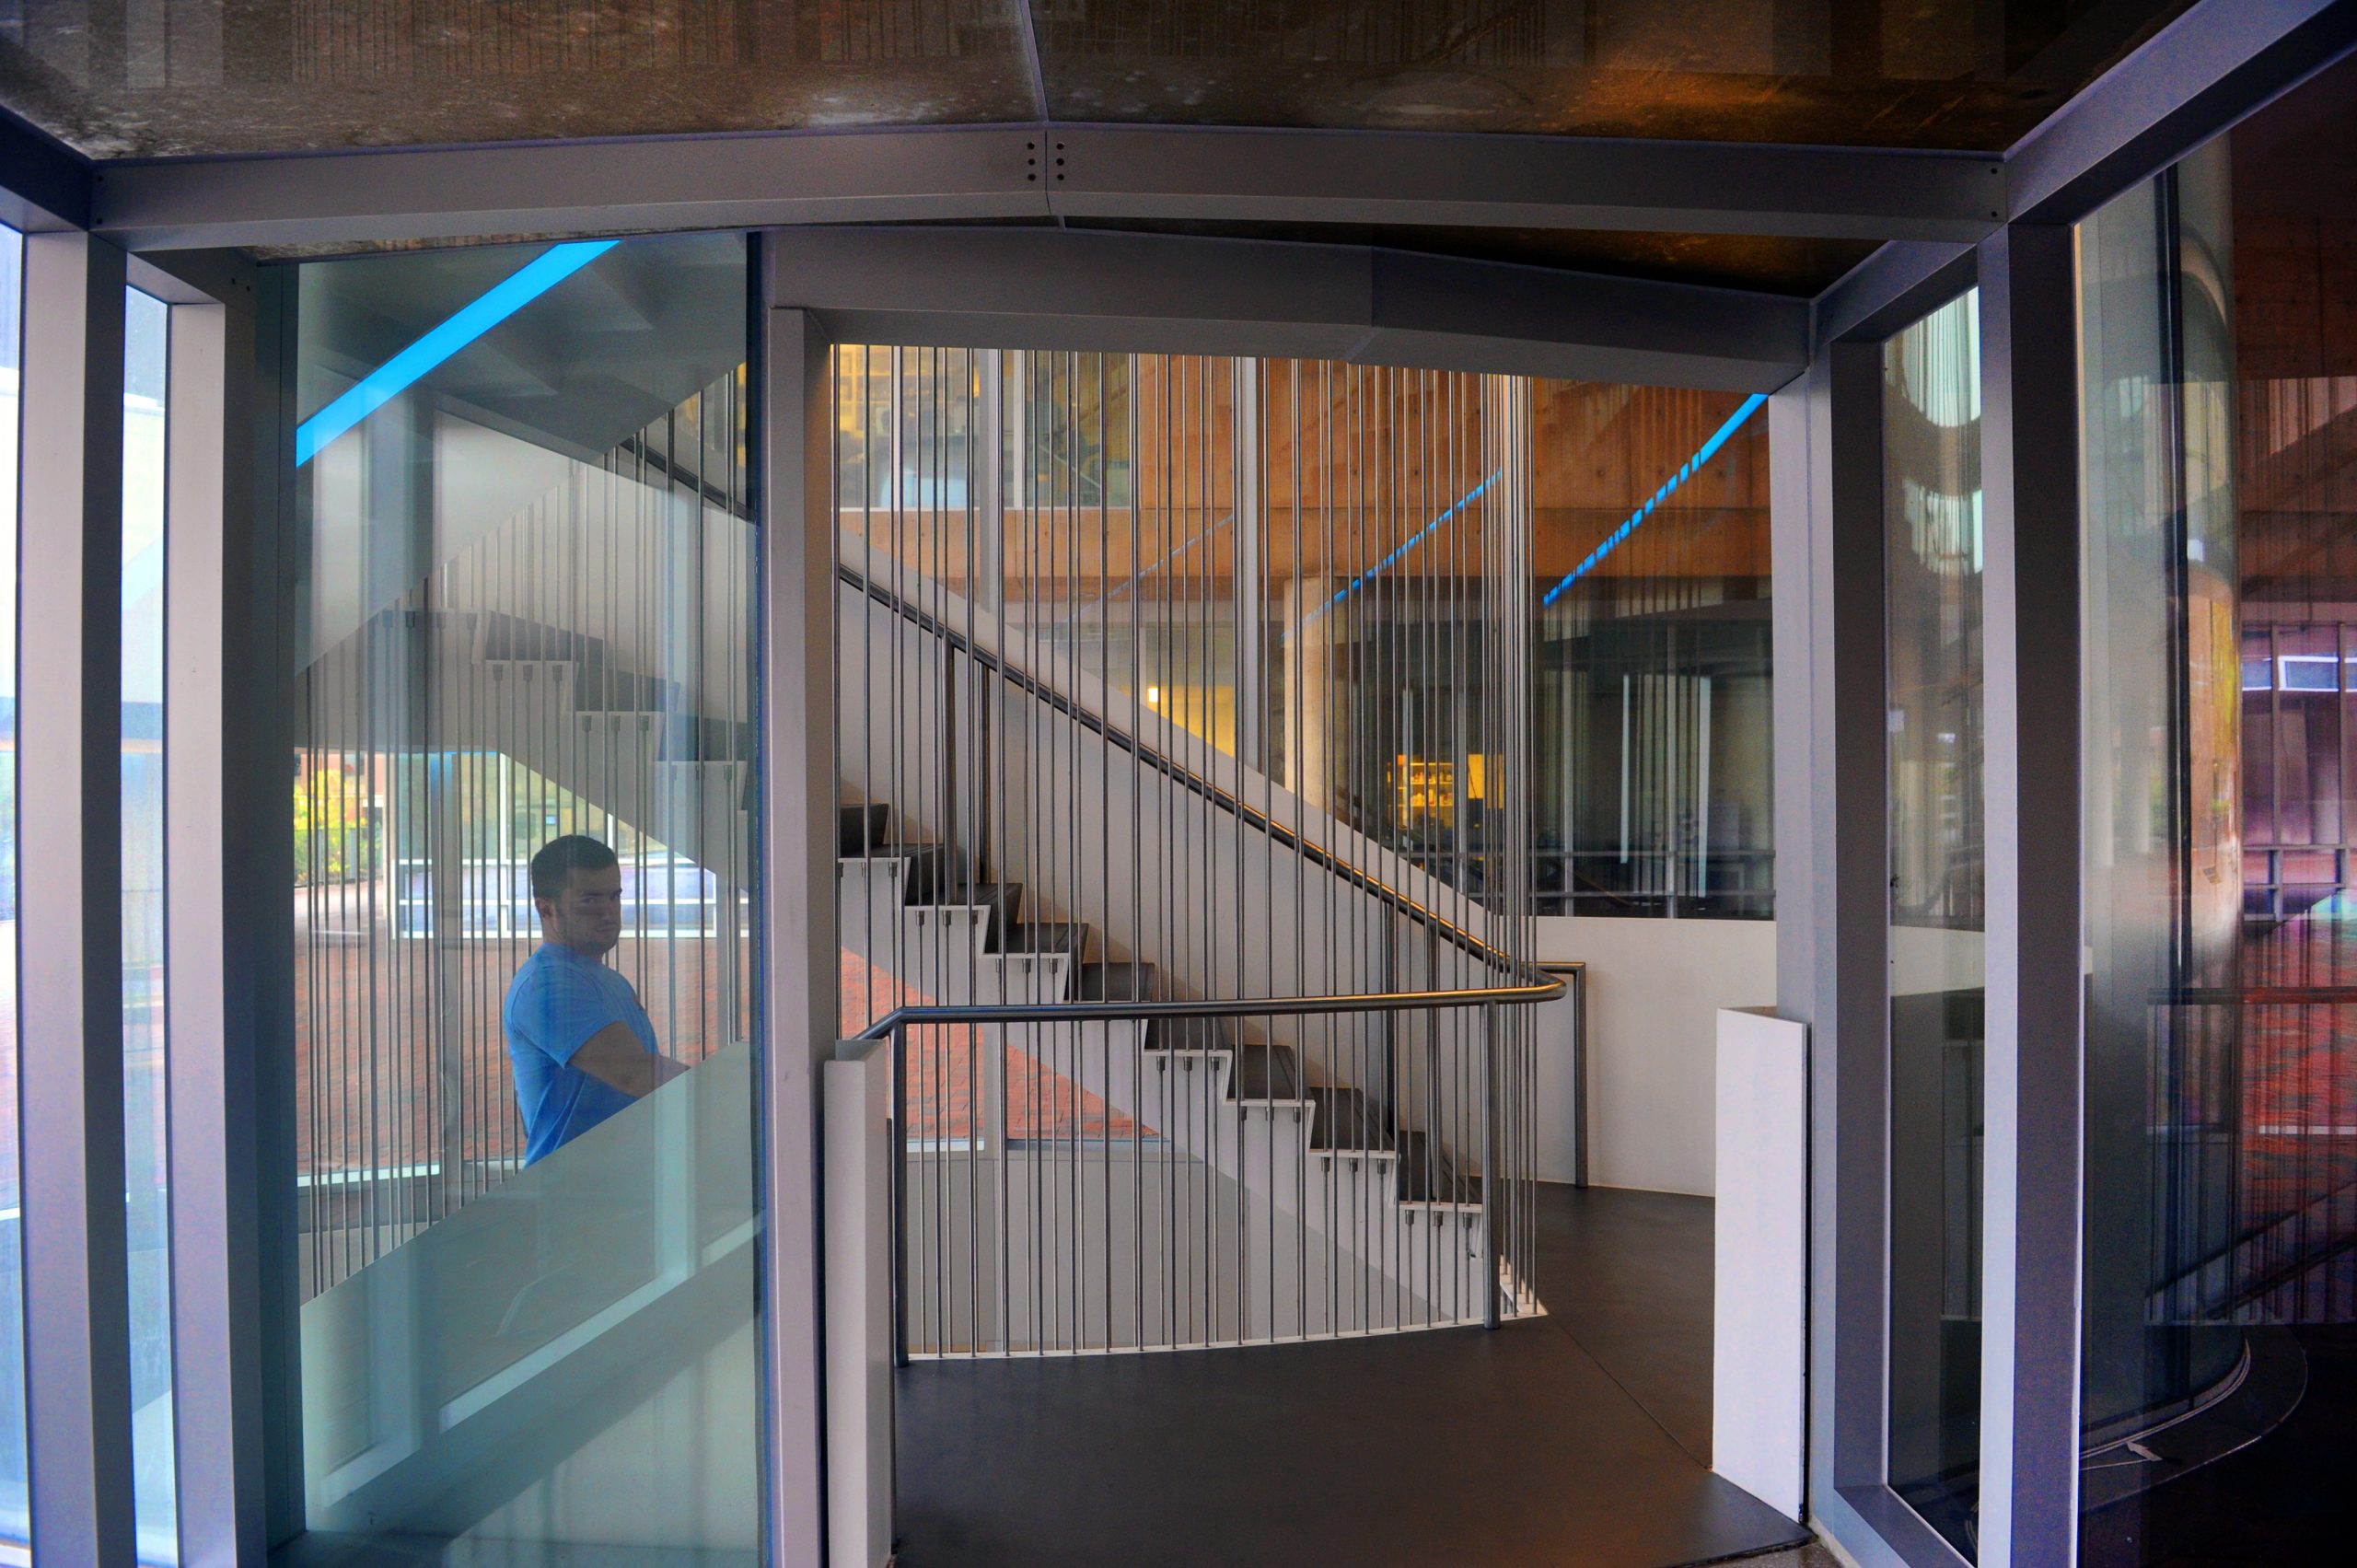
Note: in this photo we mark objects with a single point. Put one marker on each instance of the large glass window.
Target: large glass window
(2166, 1035)
(147, 1168)
(1649, 541)
(1934, 669)
(2218, 405)
(16, 1526)
(521, 804)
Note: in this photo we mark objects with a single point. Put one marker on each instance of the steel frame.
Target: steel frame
(1046, 170)
(797, 996)
(2214, 64)
(69, 957)
(227, 861)
(1056, 289)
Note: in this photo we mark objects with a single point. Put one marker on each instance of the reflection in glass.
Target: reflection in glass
(2164, 822)
(146, 329)
(1649, 548)
(1932, 551)
(2219, 398)
(527, 613)
(16, 1526)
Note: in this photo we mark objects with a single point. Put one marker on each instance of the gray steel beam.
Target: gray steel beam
(1360, 177)
(69, 850)
(563, 187)
(1898, 284)
(2219, 62)
(1000, 171)
(45, 185)
(2207, 69)
(1053, 289)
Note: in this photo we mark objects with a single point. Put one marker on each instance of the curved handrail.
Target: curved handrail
(1366, 882)
(1554, 986)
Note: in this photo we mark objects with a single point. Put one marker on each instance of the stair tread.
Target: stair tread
(1069, 937)
(1103, 981)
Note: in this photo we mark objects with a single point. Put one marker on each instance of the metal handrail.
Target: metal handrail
(892, 1031)
(1178, 772)
(1553, 986)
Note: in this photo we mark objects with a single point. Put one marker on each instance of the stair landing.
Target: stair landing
(1473, 1448)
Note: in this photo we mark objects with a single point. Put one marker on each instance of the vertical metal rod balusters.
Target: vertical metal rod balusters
(1104, 900)
(1295, 684)
(1012, 457)
(1137, 869)
(1075, 1082)
(975, 477)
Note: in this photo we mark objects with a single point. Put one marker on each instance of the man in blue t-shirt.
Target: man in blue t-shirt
(581, 1045)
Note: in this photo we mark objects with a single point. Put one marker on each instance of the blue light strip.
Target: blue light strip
(1394, 558)
(1693, 466)
(380, 386)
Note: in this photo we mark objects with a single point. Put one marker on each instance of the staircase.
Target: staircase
(1350, 1219)
(1358, 1219)
(1030, 833)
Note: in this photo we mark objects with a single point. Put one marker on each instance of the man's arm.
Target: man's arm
(614, 1056)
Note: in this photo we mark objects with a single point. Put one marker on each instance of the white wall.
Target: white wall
(1654, 989)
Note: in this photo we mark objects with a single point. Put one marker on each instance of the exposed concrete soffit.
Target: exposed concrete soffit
(1055, 289)
(2205, 69)
(2219, 61)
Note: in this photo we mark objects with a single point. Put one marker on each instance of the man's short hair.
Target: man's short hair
(552, 868)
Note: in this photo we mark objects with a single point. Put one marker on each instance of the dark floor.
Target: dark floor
(2282, 1500)
(1628, 1276)
(1576, 1440)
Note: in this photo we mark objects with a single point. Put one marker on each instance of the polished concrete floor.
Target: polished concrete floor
(1576, 1440)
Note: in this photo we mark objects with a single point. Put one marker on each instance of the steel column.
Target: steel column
(2030, 468)
(801, 955)
(69, 957)
(222, 680)
(1832, 903)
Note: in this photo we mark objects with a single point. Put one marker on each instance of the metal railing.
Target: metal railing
(1153, 672)
(992, 666)
(1084, 1177)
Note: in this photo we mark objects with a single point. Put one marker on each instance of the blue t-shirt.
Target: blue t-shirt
(556, 1001)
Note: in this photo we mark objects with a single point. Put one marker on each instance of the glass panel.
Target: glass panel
(341, 74)
(1875, 72)
(146, 322)
(521, 808)
(16, 1526)
(1649, 546)
(1932, 552)
(2218, 396)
